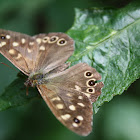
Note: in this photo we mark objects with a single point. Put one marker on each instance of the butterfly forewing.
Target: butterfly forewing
(20, 49)
(54, 50)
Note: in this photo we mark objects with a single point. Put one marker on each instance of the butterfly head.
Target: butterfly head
(34, 80)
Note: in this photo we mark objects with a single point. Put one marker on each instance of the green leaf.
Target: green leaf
(15, 94)
(109, 40)
(106, 39)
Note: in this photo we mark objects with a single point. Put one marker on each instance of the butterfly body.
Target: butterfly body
(34, 80)
(69, 93)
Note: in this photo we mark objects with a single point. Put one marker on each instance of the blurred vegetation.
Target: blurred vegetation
(117, 120)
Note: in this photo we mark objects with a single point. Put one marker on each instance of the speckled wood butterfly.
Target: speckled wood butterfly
(69, 93)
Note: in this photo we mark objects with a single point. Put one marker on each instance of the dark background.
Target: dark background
(118, 120)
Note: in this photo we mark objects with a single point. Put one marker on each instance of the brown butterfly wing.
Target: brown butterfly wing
(67, 94)
(64, 105)
(19, 49)
(32, 54)
(80, 77)
(52, 53)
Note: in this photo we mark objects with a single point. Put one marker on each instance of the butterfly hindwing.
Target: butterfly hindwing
(80, 77)
(69, 96)
(70, 107)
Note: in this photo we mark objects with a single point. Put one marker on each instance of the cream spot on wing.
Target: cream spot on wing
(19, 56)
(66, 116)
(87, 94)
(72, 107)
(2, 44)
(81, 104)
(12, 51)
(15, 44)
(80, 118)
(8, 36)
(56, 99)
(60, 106)
(23, 40)
(29, 50)
(75, 124)
(68, 94)
(77, 88)
(42, 48)
(38, 40)
(80, 97)
(31, 43)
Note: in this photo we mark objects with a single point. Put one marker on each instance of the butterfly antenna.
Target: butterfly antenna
(8, 66)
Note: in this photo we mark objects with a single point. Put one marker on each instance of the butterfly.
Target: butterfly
(69, 92)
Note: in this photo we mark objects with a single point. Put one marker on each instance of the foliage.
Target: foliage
(106, 39)
(109, 41)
